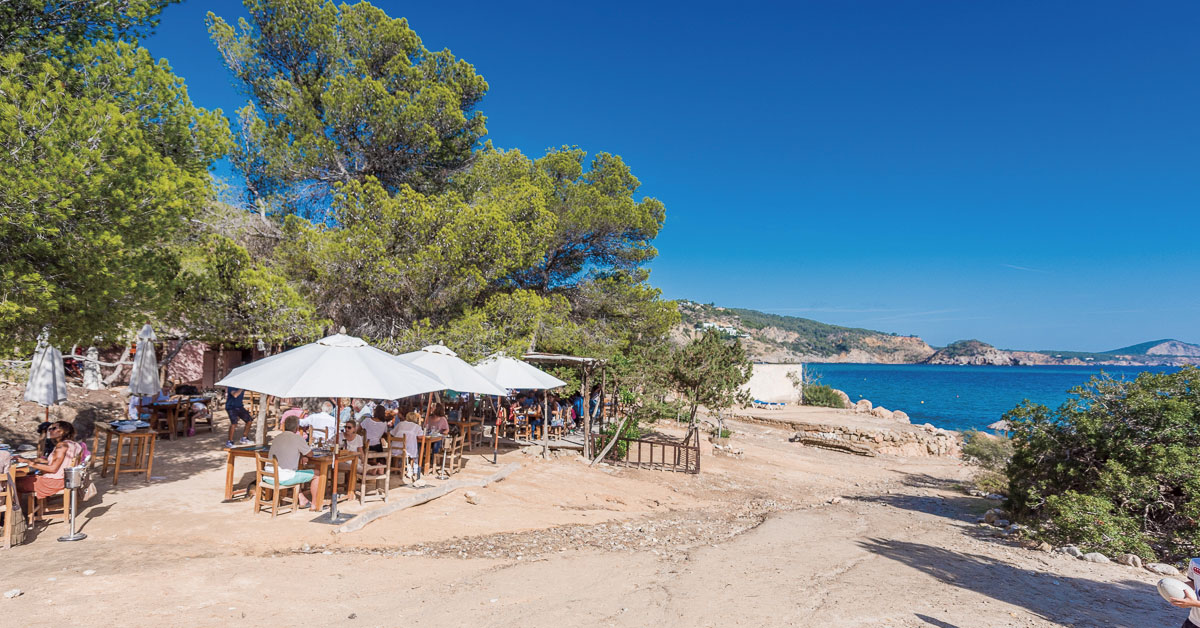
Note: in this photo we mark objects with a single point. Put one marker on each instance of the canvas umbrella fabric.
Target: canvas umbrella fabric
(143, 381)
(47, 383)
(452, 371)
(335, 366)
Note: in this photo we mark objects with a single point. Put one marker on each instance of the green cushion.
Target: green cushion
(302, 476)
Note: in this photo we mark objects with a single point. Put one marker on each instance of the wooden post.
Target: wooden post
(587, 414)
(545, 424)
(603, 385)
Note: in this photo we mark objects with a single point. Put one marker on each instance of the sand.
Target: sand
(781, 535)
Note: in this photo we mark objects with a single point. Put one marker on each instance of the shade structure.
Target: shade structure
(144, 378)
(454, 373)
(514, 374)
(335, 366)
(1000, 426)
(47, 383)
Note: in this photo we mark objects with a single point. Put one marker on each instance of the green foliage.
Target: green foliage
(55, 27)
(710, 372)
(343, 93)
(1094, 524)
(630, 429)
(823, 396)
(1124, 453)
(963, 348)
(987, 450)
(105, 157)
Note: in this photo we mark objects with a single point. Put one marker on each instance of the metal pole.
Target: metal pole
(74, 475)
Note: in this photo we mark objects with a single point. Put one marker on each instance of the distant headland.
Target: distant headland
(778, 338)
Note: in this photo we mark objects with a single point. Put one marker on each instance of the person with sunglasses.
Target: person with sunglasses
(66, 452)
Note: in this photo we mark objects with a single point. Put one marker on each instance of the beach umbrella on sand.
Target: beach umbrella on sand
(47, 383)
(518, 375)
(143, 381)
(335, 366)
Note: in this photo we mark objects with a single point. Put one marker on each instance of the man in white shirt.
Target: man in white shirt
(290, 450)
(363, 409)
(322, 424)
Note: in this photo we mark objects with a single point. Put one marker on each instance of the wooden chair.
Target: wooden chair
(36, 507)
(521, 429)
(8, 493)
(381, 463)
(318, 435)
(266, 478)
(398, 461)
(453, 452)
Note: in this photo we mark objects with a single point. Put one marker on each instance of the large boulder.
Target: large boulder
(900, 415)
(846, 403)
(882, 413)
(863, 406)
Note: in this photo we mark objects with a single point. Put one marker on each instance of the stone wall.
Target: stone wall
(919, 440)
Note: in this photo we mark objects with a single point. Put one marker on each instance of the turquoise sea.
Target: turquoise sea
(962, 397)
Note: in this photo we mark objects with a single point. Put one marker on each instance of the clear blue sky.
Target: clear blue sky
(1025, 173)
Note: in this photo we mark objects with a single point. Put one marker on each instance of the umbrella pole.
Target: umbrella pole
(545, 424)
(496, 435)
(334, 465)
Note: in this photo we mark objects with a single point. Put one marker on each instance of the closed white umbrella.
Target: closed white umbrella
(143, 381)
(517, 375)
(454, 373)
(47, 383)
(335, 366)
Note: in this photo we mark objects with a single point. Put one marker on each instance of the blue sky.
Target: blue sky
(1024, 173)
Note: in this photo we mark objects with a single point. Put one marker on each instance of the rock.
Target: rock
(846, 403)
(11, 593)
(882, 413)
(835, 500)
(420, 483)
(472, 497)
(1071, 550)
(1045, 547)
(1014, 528)
(89, 572)
(995, 496)
(1162, 569)
(993, 514)
(899, 415)
(863, 406)
(1000, 523)
(1096, 557)
(1133, 560)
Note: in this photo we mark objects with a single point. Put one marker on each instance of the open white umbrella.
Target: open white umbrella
(47, 383)
(516, 375)
(452, 371)
(143, 380)
(335, 366)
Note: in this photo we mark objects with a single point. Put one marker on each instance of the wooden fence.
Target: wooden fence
(681, 456)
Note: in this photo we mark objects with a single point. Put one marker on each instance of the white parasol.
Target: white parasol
(47, 383)
(143, 381)
(514, 374)
(454, 373)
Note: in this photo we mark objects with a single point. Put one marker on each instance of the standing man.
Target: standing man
(237, 412)
(1192, 604)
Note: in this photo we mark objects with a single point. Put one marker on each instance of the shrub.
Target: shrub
(631, 430)
(1119, 458)
(986, 450)
(822, 395)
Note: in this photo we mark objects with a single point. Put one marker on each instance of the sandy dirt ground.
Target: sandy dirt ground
(781, 535)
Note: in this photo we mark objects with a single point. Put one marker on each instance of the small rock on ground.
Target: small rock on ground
(1096, 557)
(1162, 569)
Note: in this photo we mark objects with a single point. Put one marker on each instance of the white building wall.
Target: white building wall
(770, 382)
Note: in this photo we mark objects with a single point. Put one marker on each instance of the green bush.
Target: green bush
(822, 395)
(631, 430)
(1093, 524)
(986, 450)
(1115, 468)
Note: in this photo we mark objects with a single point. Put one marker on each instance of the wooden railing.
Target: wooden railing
(681, 456)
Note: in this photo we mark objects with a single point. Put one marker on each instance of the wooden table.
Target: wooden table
(425, 454)
(170, 411)
(136, 447)
(468, 426)
(319, 464)
(322, 466)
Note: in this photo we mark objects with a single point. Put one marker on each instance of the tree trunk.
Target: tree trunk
(260, 429)
(116, 374)
(91, 369)
(587, 414)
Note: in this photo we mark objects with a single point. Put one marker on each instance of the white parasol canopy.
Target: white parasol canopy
(334, 366)
(454, 373)
(144, 378)
(516, 375)
(47, 383)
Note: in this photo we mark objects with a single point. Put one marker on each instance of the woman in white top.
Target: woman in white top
(374, 427)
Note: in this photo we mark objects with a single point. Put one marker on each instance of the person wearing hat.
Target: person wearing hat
(1191, 603)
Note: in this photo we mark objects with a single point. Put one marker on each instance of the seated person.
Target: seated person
(293, 410)
(363, 409)
(409, 430)
(137, 409)
(290, 450)
(347, 413)
(436, 422)
(351, 439)
(66, 453)
(322, 426)
(374, 427)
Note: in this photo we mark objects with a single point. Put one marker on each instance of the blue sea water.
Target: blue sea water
(962, 397)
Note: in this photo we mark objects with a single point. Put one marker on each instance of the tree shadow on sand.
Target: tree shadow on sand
(1060, 599)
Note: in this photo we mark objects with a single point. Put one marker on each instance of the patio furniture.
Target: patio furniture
(266, 477)
(134, 451)
(380, 462)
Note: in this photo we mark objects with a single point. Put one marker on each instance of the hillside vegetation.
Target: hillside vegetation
(777, 338)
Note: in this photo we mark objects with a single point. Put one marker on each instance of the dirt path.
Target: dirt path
(780, 536)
